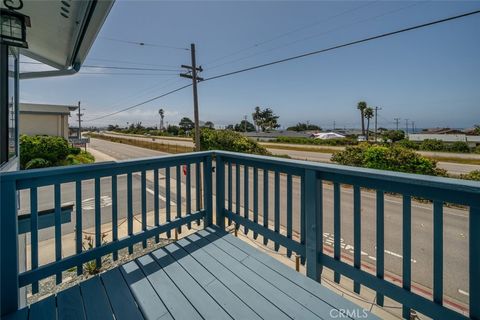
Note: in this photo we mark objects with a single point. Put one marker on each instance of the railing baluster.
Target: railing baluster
(438, 252)
(230, 192)
(129, 209)
(474, 265)
(357, 237)
(302, 215)
(144, 204)
(220, 192)
(198, 188)
(380, 223)
(336, 226)
(114, 214)
(78, 221)
(179, 194)
(168, 207)
(289, 211)
(313, 214)
(277, 207)
(265, 203)
(245, 195)
(98, 221)
(255, 199)
(156, 202)
(34, 233)
(207, 187)
(188, 195)
(58, 229)
(237, 192)
(407, 246)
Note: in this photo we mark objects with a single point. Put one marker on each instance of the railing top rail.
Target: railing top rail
(452, 184)
(76, 170)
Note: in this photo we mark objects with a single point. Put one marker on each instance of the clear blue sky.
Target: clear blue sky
(431, 76)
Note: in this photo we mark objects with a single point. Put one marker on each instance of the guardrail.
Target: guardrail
(244, 188)
(33, 180)
(231, 167)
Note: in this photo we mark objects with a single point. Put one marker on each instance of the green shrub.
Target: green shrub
(37, 163)
(477, 149)
(387, 158)
(48, 151)
(459, 146)
(52, 149)
(229, 141)
(405, 143)
(473, 175)
(432, 145)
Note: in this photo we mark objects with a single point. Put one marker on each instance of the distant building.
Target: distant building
(272, 135)
(472, 141)
(45, 119)
(328, 135)
(441, 131)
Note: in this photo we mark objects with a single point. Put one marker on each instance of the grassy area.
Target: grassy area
(156, 137)
(299, 148)
(163, 147)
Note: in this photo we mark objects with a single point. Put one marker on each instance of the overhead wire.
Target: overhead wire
(307, 54)
(279, 36)
(317, 35)
(144, 43)
(351, 43)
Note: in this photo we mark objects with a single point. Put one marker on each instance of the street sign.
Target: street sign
(82, 142)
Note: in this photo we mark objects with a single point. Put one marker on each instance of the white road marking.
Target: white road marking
(465, 293)
(160, 196)
(89, 204)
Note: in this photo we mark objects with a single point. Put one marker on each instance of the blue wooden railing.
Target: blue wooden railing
(243, 190)
(32, 180)
(309, 243)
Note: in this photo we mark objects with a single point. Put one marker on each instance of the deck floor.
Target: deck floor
(207, 275)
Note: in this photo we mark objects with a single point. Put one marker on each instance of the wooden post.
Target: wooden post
(9, 292)
(313, 224)
(220, 192)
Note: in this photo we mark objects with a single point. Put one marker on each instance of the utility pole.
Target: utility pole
(413, 126)
(79, 122)
(376, 115)
(406, 126)
(397, 120)
(192, 74)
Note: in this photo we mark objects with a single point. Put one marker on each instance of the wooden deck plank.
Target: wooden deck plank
(44, 309)
(306, 283)
(174, 300)
(305, 298)
(198, 297)
(217, 290)
(193, 244)
(120, 297)
(270, 292)
(95, 299)
(147, 299)
(70, 304)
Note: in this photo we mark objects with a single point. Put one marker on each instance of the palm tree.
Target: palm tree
(161, 112)
(368, 113)
(362, 105)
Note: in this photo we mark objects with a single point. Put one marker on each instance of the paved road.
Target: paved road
(452, 168)
(455, 228)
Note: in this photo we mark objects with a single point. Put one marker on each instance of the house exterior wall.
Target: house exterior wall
(44, 124)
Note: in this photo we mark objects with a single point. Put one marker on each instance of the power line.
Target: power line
(139, 104)
(144, 43)
(131, 62)
(383, 35)
(127, 73)
(317, 35)
(111, 67)
(279, 36)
